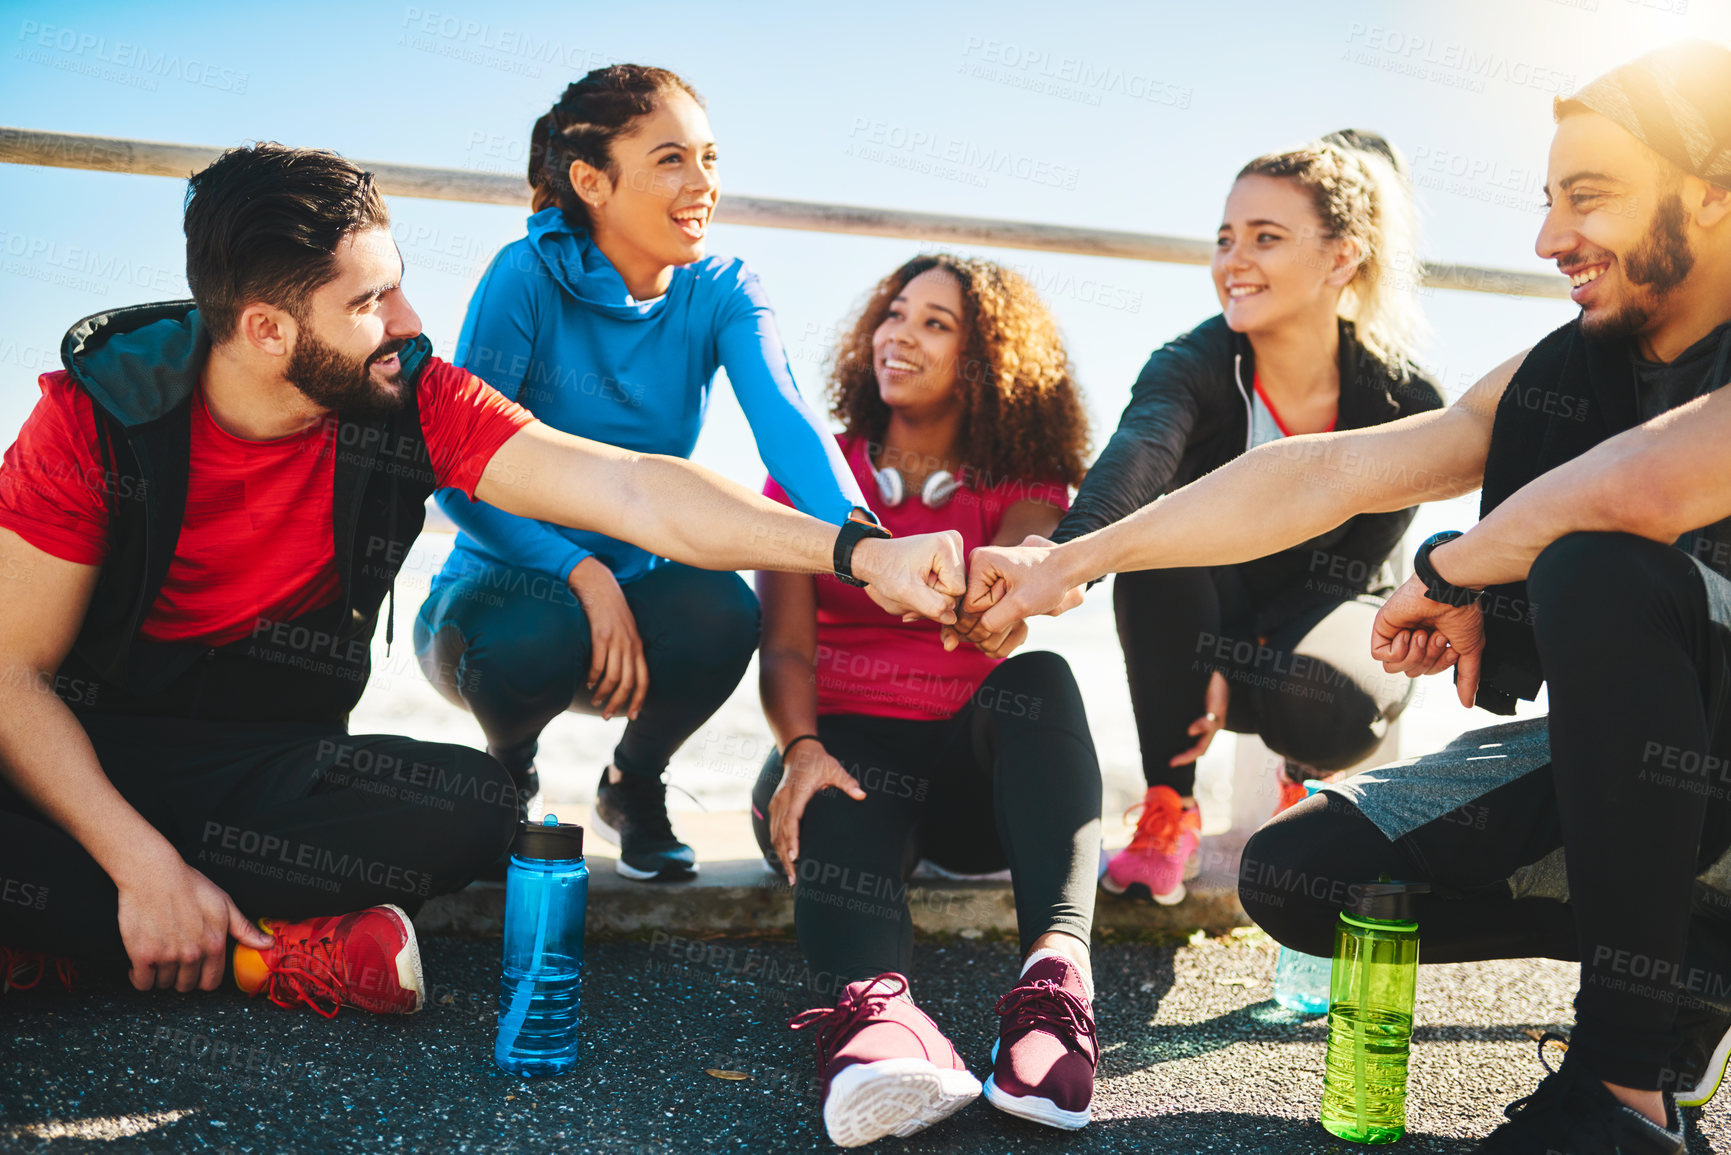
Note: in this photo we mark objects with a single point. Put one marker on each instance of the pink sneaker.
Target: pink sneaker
(886, 1068)
(1043, 1062)
(1162, 852)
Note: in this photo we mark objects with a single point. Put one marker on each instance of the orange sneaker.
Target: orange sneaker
(367, 959)
(1162, 852)
(1292, 777)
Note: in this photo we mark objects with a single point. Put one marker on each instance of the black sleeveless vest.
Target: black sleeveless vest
(141, 367)
(1570, 393)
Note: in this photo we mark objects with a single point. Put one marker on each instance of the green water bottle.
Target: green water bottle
(1370, 997)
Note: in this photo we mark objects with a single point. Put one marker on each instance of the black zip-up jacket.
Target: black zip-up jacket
(1189, 414)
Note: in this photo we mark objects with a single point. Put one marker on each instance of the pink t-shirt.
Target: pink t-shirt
(869, 662)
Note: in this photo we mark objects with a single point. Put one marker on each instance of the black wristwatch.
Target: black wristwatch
(850, 535)
(1436, 588)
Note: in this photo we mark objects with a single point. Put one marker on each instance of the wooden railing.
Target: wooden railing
(157, 158)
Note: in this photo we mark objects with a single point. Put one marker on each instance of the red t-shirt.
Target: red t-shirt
(869, 662)
(256, 541)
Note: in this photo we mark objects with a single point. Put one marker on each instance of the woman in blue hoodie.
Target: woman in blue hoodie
(608, 322)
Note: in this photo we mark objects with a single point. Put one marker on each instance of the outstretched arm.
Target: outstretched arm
(1658, 480)
(1271, 498)
(683, 511)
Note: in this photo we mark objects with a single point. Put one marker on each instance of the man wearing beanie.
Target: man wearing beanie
(1601, 566)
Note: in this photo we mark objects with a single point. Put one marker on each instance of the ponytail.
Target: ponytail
(540, 142)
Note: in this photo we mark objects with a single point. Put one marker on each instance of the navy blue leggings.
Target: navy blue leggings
(512, 646)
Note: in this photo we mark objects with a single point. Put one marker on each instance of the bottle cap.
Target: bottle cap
(1389, 901)
(549, 840)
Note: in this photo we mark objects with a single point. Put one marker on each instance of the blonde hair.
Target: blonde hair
(1362, 191)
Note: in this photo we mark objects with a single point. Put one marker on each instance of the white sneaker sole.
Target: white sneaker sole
(410, 974)
(1715, 1074)
(611, 837)
(893, 1097)
(1171, 898)
(1035, 1108)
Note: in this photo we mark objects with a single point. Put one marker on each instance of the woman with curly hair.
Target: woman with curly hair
(960, 412)
(1315, 272)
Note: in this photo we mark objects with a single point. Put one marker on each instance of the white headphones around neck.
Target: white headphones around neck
(939, 487)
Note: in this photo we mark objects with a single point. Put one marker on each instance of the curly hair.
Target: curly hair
(1022, 414)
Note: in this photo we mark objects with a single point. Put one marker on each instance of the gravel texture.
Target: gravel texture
(1196, 1059)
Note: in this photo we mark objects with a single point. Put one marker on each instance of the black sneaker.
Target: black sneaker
(632, 814)
(1572, 1113)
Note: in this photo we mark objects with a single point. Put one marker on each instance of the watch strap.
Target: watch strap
(1436, 587)
(851, 534)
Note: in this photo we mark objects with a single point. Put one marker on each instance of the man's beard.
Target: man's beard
(344, 384)
(1661, 262)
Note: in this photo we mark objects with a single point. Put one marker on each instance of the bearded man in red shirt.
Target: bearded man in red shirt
(200, 522)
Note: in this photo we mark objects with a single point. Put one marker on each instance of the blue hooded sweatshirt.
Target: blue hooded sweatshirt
(553, 327)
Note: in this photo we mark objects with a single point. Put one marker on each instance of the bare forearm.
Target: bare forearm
(46, 755)
(668, 506)
(789, 691)
(693, 515)
(1503, 547)
(1657, 481)
(1267, 500)
(1284, 493)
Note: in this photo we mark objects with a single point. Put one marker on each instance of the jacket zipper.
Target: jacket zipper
(1238, 379)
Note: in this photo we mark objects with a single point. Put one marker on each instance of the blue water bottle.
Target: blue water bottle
(1301, 980)
(546, 898)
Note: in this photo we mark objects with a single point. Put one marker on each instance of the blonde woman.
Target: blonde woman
(1314, 268)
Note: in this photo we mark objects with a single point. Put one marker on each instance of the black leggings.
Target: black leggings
(1637, 666)
(1310, 689)
(513, 647)
(1009, 780)
(293, 820)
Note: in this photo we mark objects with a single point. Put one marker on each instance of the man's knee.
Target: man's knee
(1580, 576)
(475, 815)
(1279, 879)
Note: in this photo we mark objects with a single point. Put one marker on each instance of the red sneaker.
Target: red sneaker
(886, 1068)
(21, 970)
(1043, 1062)
(366, 959)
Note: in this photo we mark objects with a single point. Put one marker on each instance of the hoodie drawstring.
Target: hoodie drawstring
(391, 593)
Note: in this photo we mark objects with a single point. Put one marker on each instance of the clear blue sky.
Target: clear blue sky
(1128, 116)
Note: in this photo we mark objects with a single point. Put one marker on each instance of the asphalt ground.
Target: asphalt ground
(1195, 1059)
